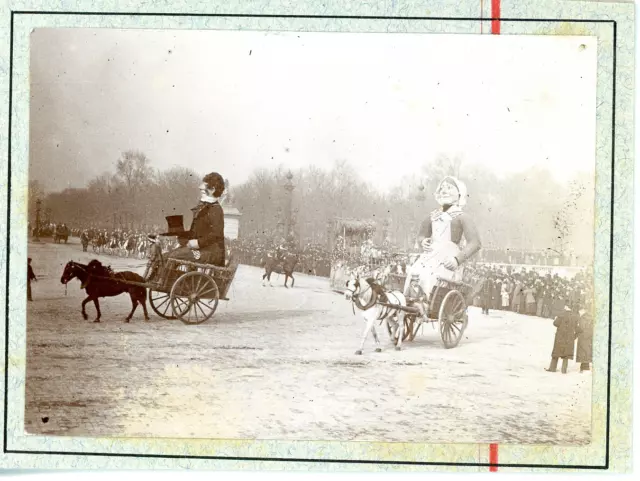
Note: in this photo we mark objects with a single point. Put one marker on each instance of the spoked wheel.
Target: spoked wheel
(453, 318)
(194, 297)
(161, 304)
(408, 326)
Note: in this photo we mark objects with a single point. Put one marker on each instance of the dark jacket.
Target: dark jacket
(567, 330)
(208, 228)
(30, 274)
(584, 351)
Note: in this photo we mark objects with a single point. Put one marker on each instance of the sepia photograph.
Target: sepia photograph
(311, 236)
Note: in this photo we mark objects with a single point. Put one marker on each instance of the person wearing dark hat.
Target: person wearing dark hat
(205, 239)
(584, 349)
(30, 277)
(566, 333)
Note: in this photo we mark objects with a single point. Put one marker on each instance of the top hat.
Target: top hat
(415, 276)
(176, 226)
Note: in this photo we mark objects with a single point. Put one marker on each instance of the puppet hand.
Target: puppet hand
(426, 244)
(450, 263)
(193, 244)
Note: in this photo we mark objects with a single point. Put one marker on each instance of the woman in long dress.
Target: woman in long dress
(441, 238)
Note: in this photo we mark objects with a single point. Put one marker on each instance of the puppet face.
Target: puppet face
(447, 193)
(205, 191)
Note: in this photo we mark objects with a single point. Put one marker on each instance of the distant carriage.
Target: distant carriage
(61, 233)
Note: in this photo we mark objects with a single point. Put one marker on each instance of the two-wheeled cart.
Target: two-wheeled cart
(189, 291)
(447, 306)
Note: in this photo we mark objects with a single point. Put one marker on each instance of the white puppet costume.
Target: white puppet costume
(441, 237)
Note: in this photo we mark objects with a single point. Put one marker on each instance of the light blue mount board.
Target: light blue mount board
(621, 340)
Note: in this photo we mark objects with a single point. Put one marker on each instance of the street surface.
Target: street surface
(276, 363)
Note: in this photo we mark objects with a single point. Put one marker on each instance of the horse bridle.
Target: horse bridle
(64, 276)
(356, 295)
(76, 266)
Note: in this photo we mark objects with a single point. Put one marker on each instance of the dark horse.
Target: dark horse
(99, 281)
(273, 261)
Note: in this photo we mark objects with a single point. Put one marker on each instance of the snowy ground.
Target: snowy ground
(278, 363)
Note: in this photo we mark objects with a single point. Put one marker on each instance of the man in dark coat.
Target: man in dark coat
(584, 351)
(564, 342)
(30, 277)
(205, 243)
(495, 293)
(485, 295)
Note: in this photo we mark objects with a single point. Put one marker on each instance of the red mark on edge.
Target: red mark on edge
(495, 13)
(493, 457)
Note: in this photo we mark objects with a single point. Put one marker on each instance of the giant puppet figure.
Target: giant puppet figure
(441, 237)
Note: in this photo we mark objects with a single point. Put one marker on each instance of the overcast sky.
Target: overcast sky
(234, 101)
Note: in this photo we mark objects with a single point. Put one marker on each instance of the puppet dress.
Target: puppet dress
(429, 265)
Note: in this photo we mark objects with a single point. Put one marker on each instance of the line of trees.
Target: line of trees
(529, 210)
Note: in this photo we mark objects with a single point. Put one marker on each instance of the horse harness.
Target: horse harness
(111, 275)
(386, 310)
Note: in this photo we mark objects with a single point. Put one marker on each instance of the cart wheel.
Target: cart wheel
(161, 304)
(194, 297)
(453, 318)
(408, 325)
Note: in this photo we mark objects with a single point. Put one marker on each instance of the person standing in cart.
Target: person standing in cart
(441, 237)
(205, 243)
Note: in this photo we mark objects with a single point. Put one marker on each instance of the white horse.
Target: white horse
(142, 247)
(365, 294)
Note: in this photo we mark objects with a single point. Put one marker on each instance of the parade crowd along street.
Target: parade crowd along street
(528, 290)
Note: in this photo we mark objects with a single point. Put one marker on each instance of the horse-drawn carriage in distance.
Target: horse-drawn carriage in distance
(60, 233)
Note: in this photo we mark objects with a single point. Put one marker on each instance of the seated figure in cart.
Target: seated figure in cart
(416, 297)
(204, 242)
(441, 238)
(205, 239)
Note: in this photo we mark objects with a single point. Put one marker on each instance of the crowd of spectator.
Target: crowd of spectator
(529, 291)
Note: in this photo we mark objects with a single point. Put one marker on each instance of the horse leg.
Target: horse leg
(143, 301)
(376, 338)
(401, 315)
(366, 332)
(84, 312)
(97, 304)
(134, 306)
